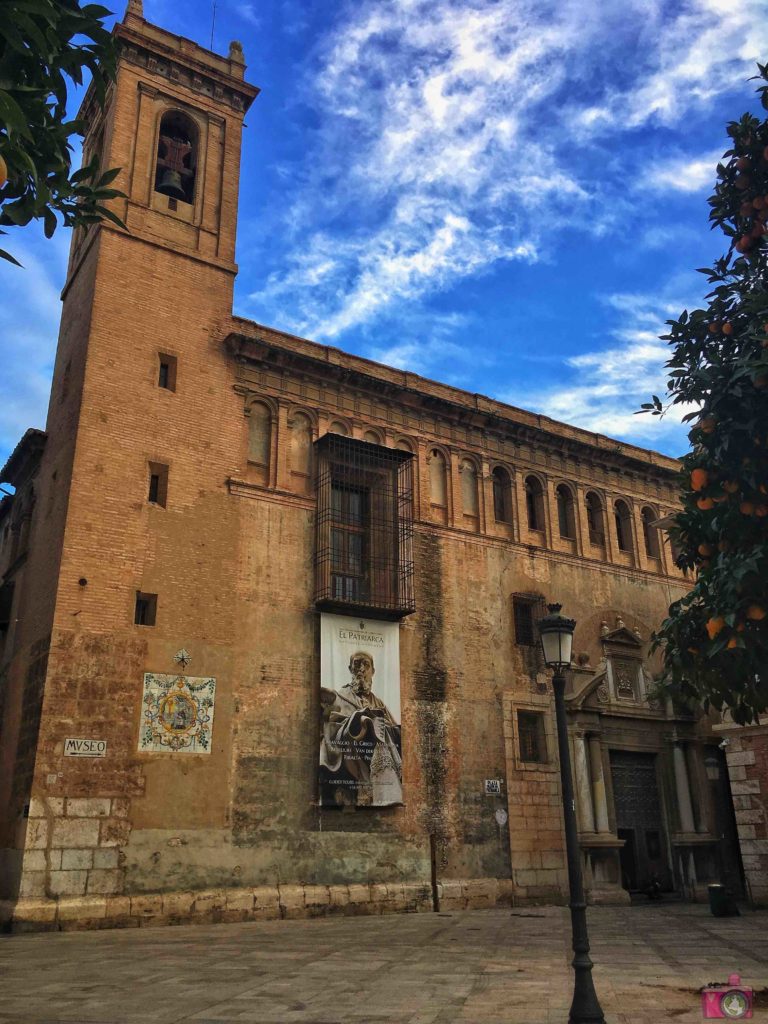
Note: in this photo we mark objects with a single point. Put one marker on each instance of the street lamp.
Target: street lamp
(556, 643)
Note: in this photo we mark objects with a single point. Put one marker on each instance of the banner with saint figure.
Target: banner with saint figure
(360, 748)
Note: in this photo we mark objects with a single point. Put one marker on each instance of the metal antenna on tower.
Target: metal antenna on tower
(213, 20)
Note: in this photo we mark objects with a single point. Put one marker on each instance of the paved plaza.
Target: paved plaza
(483, 967)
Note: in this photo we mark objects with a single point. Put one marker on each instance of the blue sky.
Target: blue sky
(507, 196)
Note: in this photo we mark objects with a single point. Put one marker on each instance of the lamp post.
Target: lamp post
(556, 643)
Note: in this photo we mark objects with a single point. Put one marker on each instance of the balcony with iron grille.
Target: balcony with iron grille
(364, 528)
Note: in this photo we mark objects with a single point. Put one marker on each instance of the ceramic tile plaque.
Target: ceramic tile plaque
(177, 714)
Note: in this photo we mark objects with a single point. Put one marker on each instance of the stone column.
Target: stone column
(583, 786)
(683, 789)
(598, 784)
(694, 763)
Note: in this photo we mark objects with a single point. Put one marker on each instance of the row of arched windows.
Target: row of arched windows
(565, 519)
(535, 514)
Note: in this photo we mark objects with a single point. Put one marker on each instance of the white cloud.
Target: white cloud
(603, 389)
(456, 135)
(683, 174)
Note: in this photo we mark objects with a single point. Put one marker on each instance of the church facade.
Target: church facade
(268, 610)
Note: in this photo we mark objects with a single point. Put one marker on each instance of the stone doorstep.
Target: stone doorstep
(257, 903)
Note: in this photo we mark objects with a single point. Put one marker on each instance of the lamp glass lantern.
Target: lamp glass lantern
(556, 633)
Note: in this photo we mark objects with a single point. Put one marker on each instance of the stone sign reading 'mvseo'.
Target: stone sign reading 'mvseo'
(84, 748)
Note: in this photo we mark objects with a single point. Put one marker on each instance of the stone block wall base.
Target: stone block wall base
(261, 903)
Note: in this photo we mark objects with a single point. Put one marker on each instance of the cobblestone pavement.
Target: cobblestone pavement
(474, 967)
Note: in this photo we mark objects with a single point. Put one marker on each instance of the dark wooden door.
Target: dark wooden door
(639, 820)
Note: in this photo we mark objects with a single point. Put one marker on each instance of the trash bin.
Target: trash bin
(721, 902)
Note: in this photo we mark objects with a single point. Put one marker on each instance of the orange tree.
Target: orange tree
(715, 640)
(44, 44)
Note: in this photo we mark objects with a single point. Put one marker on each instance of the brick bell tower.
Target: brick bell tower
(135, 443)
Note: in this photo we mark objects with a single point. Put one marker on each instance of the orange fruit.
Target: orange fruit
(756, 613)
(740, 627)
(724, 545)
(744, 244)
(747, 508)
(714, 328)
(761, 511)
(714, 626)
(705, 550)
(699, 479)
(727, 328)
(733, 642)
(705, 504)
(708, 424)
(730, 487)
(742, 181)
(3, 171)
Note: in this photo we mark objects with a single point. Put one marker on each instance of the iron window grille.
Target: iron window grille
(527, 610)
(532, 740)
(364, 541)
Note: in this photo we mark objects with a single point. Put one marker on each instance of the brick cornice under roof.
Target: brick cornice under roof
(256, 342)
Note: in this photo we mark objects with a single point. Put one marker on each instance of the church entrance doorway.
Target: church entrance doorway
(639, 821)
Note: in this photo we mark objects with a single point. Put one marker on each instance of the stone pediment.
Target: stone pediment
(623, 637)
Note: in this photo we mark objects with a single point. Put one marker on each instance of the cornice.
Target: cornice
(273, 350)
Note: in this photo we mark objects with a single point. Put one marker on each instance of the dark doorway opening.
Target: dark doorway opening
(639, 822)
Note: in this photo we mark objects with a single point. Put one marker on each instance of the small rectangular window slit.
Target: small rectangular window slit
(166, 377)
(158, 484)
(146, 609)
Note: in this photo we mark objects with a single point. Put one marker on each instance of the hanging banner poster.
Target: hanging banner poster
(360, 749)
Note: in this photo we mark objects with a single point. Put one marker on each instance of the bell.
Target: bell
(170, 185)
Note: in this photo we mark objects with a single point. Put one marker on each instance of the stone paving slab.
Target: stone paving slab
(468, 967)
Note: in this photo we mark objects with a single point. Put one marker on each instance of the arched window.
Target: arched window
(259, 439)
(438, 491)
(650, 532)
(259, 432)
(469, 502)
(623, 528)
(176, 166)
(371, 437)
(502, 495)
(300, 449)
(534, 503)
(337, 427)
(595, 524)
(565, 517)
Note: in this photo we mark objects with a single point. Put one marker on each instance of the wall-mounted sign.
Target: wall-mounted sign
(493, 787)
(360, 748)
(177, 714)
(74, 747)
